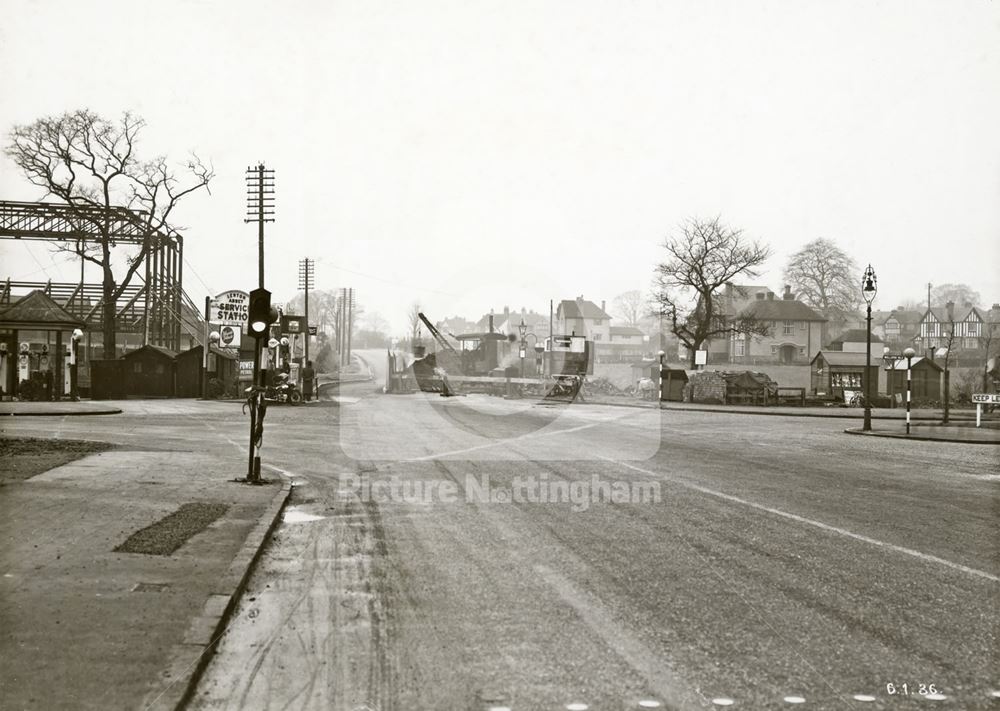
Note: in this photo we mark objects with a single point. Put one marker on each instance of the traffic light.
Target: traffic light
(261, 315)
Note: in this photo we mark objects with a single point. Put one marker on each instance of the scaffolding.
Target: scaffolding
(156, 307)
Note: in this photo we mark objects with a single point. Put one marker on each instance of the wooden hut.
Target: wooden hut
(925, 383)
(150, 372)
(835, 372)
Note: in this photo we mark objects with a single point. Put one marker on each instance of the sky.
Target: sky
(469, 155)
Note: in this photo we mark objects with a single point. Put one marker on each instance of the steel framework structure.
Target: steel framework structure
(156, 308)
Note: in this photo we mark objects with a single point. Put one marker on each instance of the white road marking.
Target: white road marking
(818, 524)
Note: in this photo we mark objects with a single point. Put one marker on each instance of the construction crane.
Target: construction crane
(437, 336)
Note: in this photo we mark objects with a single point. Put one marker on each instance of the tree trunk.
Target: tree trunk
(108, 313)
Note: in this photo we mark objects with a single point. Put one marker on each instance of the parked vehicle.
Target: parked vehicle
(283, 391)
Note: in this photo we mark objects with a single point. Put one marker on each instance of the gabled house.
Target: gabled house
(899, 327)
(795, 331)
(584, 318)
(970, 325)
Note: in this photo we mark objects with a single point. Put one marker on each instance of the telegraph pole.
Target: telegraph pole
(350, 321)
(307, 275)
(260, 209)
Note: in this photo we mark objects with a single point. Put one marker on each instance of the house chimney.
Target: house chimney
(506, 313)
(996, 307)
(602, 306)
(788, 295)
(760, 296)
(967, 305)
(770, 296)
(491, 321)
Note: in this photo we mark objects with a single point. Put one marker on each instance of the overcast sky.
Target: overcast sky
(474, 154)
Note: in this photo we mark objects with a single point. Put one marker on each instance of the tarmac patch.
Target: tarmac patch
(172, 531)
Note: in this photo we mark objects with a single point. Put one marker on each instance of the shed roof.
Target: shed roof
(900, 364)
(149, 347)
(626, 331)
(841, 358)
(37, 311)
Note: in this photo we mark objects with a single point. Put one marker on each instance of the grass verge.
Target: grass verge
(25, 457)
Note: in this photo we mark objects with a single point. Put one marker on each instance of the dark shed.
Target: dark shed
(150, 371)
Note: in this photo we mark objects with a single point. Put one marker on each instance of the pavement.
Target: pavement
(85, 627)
(59, 408)
(962, 433)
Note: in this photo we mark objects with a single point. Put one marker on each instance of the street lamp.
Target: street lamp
(908, 354)
(74, 373)
(522, 329)
(869, 287)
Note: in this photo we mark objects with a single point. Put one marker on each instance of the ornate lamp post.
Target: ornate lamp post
(908, 354)
(869, 287)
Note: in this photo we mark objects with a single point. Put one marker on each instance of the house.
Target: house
(584, 318)
(509, 321)
(794, 331)
(899, 327)
(835, 373)
(970, 329)
(854, 341)
(625, 343)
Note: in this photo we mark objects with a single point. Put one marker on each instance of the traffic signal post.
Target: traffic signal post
(261, 316)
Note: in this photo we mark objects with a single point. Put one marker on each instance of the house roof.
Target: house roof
(841, 358)
(626, 331)
(905, 318)
(38, 312)
(781, 310)
(855, 335)
(580, 308)
(900, 364)
(156, 349)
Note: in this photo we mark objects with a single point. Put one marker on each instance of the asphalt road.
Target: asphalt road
(782, 560)
(779, 559)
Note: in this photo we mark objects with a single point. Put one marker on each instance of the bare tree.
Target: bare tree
(413, 319)
(956, 293)
(948, 341)
(823, 276)
(629, 305)
(989, 341)
(374, 322)
(89, 163)
(705, 256)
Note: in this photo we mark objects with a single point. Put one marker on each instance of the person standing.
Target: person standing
(308, 376)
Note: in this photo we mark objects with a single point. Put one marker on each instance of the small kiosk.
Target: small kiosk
(35, 342)
(835, 372)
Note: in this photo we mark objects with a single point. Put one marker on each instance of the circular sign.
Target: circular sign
(273, 343)
(25, 346)
(227, 334)
(23, 360)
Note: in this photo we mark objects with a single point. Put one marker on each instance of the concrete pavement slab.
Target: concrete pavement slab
(87, 627)
(57, 409)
